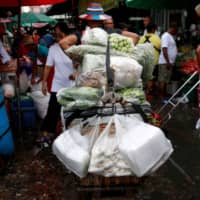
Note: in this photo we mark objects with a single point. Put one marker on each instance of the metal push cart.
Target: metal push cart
(173, 102)
(94, 184)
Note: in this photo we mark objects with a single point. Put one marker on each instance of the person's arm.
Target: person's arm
(198, 54)
(165, 54)
(135, 37)
(5, 58)
(48, 67)
(47, 70)
(68, 41)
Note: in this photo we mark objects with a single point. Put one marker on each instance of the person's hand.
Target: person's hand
(34, 80)
(12, 63)
(169, 66)
(44, 88)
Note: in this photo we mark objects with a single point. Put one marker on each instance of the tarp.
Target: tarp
(106, 4)
(27, 19)
(161, 4)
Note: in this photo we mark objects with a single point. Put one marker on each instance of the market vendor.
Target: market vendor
(95, 17)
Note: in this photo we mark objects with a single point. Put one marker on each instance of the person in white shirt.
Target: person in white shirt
(63, 69)
(167, 58)
(4, 56)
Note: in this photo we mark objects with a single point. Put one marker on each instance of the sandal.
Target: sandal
(45, 137)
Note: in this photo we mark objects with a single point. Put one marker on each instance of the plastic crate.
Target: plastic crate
(25, 101)
(28, 116)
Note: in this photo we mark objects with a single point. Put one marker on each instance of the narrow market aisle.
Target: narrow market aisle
(42, 176)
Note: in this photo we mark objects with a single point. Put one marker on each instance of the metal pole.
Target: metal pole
(18, 75)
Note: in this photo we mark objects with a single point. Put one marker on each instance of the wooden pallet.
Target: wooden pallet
(100, 181)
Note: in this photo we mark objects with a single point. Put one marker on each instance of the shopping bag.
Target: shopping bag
(73, 148)
(106, 159)
(143, 146)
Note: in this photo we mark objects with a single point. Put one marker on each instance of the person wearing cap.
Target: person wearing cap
(95, 17)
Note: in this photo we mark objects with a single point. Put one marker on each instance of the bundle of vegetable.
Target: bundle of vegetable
(133, 95)
(78, 97)
(78, 51)
(81, 50)
(121, 43)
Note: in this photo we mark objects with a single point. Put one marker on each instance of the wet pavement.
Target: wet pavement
(31, 176)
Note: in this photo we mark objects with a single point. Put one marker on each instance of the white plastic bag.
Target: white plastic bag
(143, 146)
(95, 36)
(41, 102)
(73, 149)
(92, 62)
(24, 82)
(127, 71)
(106, 159)
(9, 90)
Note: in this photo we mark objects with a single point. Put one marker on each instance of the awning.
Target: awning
(62, 8)
(162, 4)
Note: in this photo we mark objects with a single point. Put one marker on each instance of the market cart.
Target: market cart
(94, 184)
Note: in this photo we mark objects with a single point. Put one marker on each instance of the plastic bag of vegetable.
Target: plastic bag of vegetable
(121, 43)
(127, 71)
(92, 62)
(143, 146)
(79, 97)
(144, 54)
(73, 146)
(95, 36)
(81, 50)
(94, 79)
(133, 95)
(106, 159)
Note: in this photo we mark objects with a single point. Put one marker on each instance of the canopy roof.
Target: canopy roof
(161, 4)
(27, 19)
(16, 3)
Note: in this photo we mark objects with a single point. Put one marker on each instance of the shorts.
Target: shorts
(164, 74)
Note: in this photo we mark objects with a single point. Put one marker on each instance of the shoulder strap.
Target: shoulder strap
(147, 39)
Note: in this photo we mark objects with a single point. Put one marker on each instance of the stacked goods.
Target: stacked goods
(121, 43)
(132, 65)
(111, 153)
(79, 98)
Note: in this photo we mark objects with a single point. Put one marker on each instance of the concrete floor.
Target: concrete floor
(42, 176)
